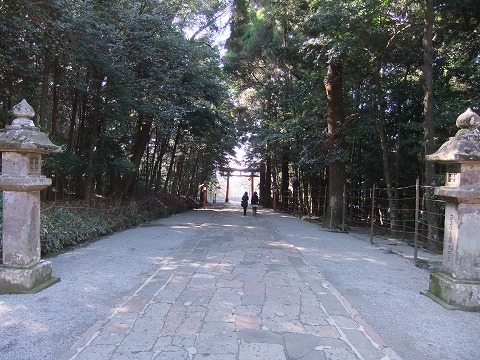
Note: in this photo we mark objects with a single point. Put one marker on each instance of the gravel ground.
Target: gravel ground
(384, 288)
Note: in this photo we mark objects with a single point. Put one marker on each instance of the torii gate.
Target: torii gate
(250, 174)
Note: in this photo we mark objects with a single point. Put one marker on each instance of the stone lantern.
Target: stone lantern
(22, 145)
(457, 284)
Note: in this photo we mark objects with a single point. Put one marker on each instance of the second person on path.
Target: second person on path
(245, 203)
(254, 203)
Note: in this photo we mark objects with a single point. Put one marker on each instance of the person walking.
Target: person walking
(254, 203)
(245, 203)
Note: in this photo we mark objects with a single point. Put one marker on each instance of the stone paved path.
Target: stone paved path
(233, 291)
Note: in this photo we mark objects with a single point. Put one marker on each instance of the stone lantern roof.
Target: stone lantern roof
(465, 145)
(22, 136)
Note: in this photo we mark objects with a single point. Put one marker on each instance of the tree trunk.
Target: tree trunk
(42, 114)
(268, 183)
(383, 145)
(261, 197)
(284, 191)
(172, 159)
(177, 178)
(297, 199)
(81, 147)
(73, 117)
(141, 140)
(315, 195)
(306, 196)
(81, 136)
(333, 83)
(89, 184)
(428, 125)
(191, 185)
(159, 161)
(147, 165)
(55, 98)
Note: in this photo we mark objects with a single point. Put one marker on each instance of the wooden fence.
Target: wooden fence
(412, 215)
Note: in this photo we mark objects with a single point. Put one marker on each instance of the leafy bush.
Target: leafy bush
(69, 224)
(65, 227)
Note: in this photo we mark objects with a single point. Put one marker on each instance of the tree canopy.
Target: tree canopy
(133, 100)
(279, 54)
(141, 97)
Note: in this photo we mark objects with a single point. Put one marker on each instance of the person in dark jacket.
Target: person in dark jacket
(254, 203)
(245, 203)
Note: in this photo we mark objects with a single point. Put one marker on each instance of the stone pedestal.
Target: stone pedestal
(22, 270)
(22, 280)
(457, 284)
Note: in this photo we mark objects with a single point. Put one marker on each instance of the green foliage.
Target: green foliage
(105, 77)
(65, 227)
(137, 95)
(278, 55)
(61, 229)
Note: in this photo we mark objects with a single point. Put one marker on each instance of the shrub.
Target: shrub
(69, 224)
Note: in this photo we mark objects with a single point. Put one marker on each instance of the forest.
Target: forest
(352, 93)
(145, 96)
(133, 101)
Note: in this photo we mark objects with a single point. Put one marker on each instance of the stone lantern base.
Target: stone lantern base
(455, 294)
(18, 280)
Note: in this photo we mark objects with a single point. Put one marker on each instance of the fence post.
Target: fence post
(417, 208)
(372, 214)
(331, 218)
(311, 201)
(325, 203)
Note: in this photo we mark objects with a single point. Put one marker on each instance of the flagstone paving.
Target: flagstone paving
(234, 290)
